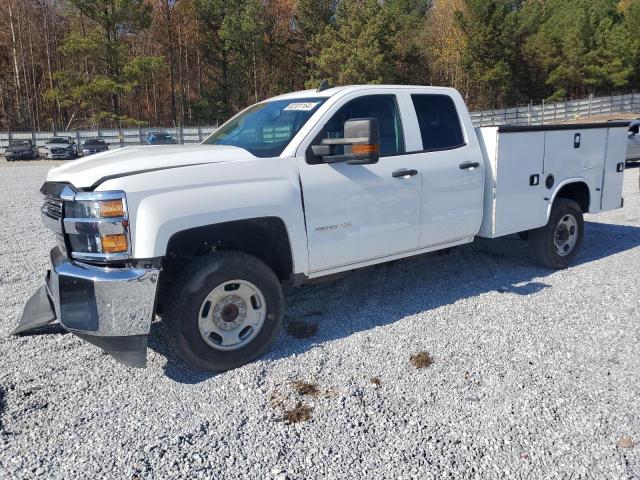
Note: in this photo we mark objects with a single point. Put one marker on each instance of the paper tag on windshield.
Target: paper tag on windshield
(302, 106)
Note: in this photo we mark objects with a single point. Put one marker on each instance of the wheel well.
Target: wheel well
(265, 238)
(578, 192)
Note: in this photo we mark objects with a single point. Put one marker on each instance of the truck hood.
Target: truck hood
(92, 171)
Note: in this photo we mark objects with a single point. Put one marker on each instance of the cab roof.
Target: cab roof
(313, 93)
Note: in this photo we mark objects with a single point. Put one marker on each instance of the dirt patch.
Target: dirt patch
(300, 413)
(303, 387)
(421, 360)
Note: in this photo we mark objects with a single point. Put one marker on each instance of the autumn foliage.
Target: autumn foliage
(67, 64)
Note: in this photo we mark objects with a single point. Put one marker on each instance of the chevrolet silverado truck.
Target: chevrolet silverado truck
(297, 187)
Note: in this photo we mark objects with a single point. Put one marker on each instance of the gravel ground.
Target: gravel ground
(534, 374)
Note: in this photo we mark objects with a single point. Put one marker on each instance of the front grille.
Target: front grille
(57, 150)
(52, 207)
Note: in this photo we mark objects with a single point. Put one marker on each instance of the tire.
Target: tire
(188, 315)
(547, 242)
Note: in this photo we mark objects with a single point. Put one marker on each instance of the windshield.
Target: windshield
(19, 143)
(58, 140)
(94, 142)
(267, 128)
(160, 136)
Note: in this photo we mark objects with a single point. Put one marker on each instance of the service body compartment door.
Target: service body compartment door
(574, 150)
(520, 203)
(514, 182)
(614, 169)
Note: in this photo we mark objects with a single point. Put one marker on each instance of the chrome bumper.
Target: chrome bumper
(108, 307)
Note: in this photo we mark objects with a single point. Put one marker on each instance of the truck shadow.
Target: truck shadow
(381, 295)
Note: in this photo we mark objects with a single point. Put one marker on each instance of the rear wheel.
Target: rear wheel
(226, 311)
(557, 243)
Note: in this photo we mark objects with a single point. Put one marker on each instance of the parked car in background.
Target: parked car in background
(94, 145)
(633, 144)
(21, 150)
(159, 138)
(61, 148)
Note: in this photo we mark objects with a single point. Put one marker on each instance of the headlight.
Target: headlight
(97, 225)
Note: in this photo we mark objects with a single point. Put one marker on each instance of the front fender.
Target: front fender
(164, 202)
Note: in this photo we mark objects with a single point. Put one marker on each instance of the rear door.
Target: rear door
(452, 169)
(356, 213)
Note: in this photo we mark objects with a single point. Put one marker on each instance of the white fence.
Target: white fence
(113, 137)
(559, 112)
(526, 115)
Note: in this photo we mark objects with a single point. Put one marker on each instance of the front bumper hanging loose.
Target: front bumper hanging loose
(111, 308)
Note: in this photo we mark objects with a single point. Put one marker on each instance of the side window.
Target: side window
(382, 107)
(439, 122)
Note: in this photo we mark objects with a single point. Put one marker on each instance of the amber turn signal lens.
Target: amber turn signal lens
(111, 208)
(114, 243)
(362, 148)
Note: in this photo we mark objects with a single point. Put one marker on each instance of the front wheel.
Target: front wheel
(226, 311)
(557, 243)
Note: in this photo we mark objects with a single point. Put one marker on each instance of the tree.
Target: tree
(105, 53)
(370, 42)
(491, 52)
(577, 48)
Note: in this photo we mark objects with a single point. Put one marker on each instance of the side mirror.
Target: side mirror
(361, 143)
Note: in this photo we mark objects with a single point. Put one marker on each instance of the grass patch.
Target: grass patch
(421, 360)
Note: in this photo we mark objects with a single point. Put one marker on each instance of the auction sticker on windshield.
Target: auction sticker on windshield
(303, 106)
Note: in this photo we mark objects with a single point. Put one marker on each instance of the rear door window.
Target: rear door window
(439, 122)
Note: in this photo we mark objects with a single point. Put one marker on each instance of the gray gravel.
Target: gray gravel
(535, 374)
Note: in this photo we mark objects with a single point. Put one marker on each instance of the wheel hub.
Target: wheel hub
(230, 312)
(231, 315)
(566, 235)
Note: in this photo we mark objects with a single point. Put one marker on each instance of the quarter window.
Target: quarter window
(439, 122)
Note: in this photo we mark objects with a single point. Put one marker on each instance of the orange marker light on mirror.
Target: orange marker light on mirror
(364, 148)
(114, 243)
(111, 208)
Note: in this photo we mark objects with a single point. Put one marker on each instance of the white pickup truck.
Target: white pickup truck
(297, 187)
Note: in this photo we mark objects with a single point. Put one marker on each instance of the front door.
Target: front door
(356, 213)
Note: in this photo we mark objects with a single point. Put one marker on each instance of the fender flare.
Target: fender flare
(563, 184)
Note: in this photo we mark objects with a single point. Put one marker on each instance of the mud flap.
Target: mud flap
(38, 312)
(131, 350)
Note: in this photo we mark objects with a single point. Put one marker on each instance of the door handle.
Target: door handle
(469, 165)
(403, 173)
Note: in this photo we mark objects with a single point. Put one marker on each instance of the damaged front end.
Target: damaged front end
(110, 306)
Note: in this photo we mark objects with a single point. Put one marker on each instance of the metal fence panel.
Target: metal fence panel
(567, 111)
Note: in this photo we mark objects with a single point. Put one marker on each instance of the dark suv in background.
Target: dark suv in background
(159, 138)
(21, 150)
(94, 145)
